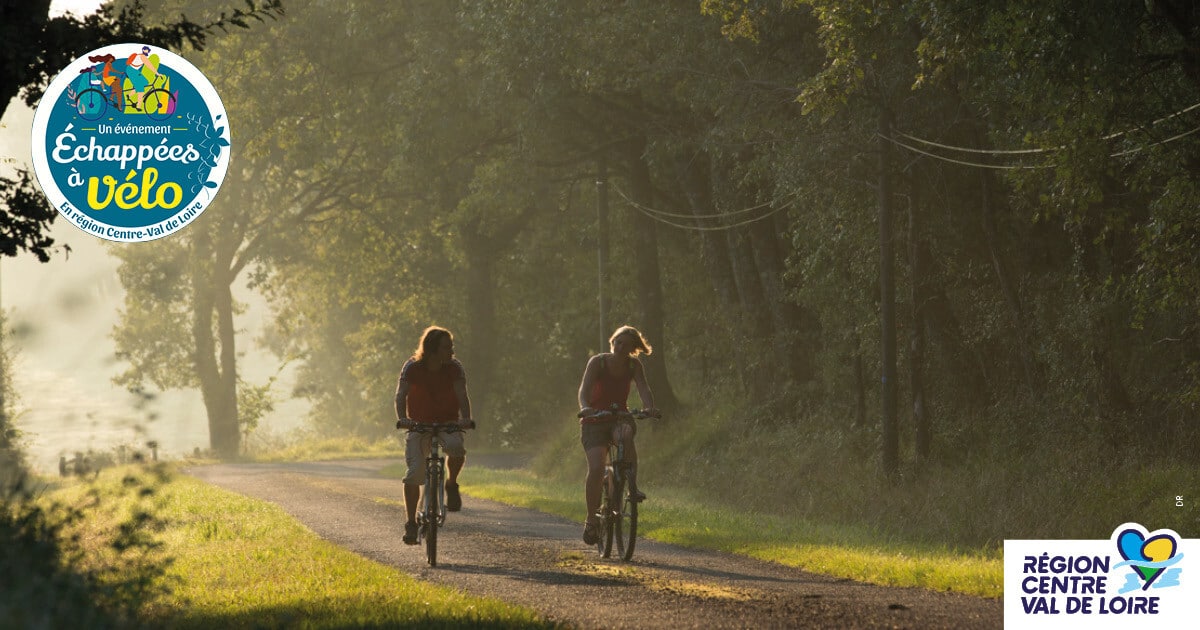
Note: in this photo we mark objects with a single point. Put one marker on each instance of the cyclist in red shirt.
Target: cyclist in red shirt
(432, 388)
(606, 381)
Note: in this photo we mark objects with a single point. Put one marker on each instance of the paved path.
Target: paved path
(537, 560)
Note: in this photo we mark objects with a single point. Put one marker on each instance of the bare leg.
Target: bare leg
(625, 434)
(595, 476)
(454, 465)
(412, 496)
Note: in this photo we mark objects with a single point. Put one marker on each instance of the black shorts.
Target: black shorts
(596, 434)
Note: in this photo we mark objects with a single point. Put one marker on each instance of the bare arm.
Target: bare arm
(401, 400)
(464, 401)
(639, 379)
(590, 374)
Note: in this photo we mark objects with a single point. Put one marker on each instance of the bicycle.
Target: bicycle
(431, 514)
(618, 510)
(92, 103)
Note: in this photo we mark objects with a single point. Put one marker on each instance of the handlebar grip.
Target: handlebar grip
(419, 427)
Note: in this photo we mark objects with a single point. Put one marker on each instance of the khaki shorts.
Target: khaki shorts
(417, 447)
(596, 434)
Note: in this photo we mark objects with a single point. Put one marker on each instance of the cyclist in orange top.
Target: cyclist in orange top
(606, 381)
(432, 388)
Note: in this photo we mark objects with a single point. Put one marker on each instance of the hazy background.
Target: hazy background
(61, 315)
(997, 367)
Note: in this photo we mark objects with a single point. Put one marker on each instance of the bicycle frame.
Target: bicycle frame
(433, 495)
(618, 511)
(431, 513)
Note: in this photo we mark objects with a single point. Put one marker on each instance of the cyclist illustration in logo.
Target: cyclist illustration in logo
(134, 86)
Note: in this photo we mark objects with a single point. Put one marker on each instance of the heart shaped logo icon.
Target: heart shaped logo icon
(1146, 553)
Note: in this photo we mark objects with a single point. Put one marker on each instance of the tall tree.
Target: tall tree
(258, 206)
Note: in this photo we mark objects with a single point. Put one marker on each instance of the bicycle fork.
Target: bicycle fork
(432, 503)
(613, 479)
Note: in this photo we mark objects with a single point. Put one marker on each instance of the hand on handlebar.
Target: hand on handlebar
(410, 424)
(590, 412)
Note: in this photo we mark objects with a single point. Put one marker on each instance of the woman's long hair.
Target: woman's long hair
(429, 341)
(641, 347)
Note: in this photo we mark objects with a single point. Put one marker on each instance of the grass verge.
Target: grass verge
(686, 518)
(228, 561)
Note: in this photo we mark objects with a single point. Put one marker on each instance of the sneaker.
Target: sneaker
(637, 496)
(410, 533)
(591, 533)
(453, 500)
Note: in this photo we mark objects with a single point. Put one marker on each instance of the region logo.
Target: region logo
(1136, 577)
(130, 143)
(1151, 556)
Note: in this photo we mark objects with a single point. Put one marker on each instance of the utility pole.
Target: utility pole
(887, 306)
(602, 246)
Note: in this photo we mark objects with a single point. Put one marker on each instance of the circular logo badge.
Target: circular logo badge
(130, 142)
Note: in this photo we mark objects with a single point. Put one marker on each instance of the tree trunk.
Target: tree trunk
(229, 443)
(602, 233)
(788, 320)
(918, 260)
(694, 179)
(1005, 277)
(651, 320)
(211, 295)
(1116, 409)
(860, 390)
(480, 338)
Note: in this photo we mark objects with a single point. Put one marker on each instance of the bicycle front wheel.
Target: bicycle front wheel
(159, 104)
(608, 491)
(431, 519)
(624, 520)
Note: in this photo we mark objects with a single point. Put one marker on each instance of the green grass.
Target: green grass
(329, 448)
(686, 518)
(233, 562)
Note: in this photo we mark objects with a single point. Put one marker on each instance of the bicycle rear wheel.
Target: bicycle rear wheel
(624, 523)
(91, 104)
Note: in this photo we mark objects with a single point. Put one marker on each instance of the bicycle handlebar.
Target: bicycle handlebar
(637, 414)
(435, 427)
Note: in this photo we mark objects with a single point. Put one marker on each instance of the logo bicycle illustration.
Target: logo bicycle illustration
(130, 143)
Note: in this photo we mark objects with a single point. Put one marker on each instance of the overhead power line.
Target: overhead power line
(944, 158)
(1147, 146)
(1038, 150)
(950, 147)
(665, 217)
(1111, 136)
(1002, 167)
